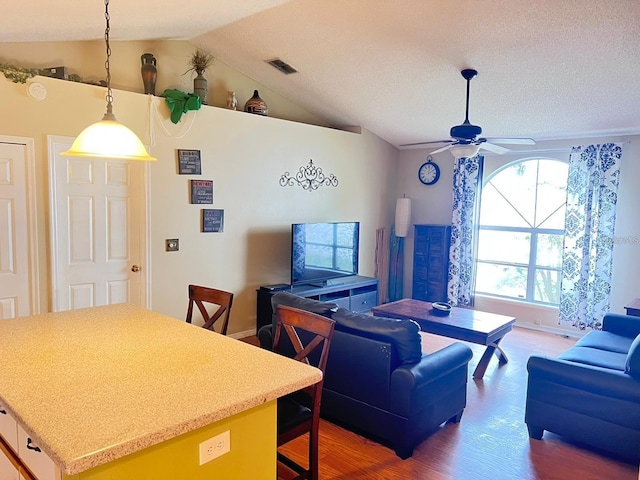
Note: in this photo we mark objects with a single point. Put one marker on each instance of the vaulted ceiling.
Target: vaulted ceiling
(547, 68)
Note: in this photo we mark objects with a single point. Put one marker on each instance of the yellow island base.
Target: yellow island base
(120, 392)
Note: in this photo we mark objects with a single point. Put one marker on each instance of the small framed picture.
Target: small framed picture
(201, 192)
(212, 220)
(189, 162)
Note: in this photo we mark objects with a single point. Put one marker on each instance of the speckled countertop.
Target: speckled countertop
(93, 385)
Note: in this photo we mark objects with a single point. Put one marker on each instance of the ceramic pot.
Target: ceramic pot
(232, 103)
(149, 73)
(256, 105)
(200, 88)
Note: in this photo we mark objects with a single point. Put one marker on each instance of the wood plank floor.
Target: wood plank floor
(490, 442)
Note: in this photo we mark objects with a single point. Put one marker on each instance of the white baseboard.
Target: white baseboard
(245, 334)
(573, 333)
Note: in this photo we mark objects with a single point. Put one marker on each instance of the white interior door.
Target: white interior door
(98, 230)
(18, 262)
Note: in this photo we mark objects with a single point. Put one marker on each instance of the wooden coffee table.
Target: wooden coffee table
(464, 324)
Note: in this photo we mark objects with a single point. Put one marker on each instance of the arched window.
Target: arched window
(521, 231)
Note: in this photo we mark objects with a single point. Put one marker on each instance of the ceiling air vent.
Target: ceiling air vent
(284, 67)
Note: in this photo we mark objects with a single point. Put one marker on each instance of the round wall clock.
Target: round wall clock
(429, 172)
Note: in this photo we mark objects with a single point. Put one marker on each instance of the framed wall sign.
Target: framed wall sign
(201, 191)
(212, 220)
(189, 162)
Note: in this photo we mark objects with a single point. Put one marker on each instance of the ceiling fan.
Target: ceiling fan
(465, 139)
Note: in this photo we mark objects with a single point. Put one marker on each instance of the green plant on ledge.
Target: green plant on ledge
(200, 61)
(17, 74)
(21, 75)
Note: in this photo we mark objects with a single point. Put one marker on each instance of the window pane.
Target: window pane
(547, 286)
(549, 251)
(555, 221)
(511, 247)
(552, 194)
(517, 183)
(502, 280)
(496, 211)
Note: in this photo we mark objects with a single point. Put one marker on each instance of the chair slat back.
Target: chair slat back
(203, 296)
(319, 331)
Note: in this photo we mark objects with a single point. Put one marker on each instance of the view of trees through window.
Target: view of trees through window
(522, 230)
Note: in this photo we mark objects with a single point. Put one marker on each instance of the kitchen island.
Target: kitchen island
(120, 392)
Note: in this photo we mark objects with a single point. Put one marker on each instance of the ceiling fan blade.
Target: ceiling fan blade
(426, 143)
(442, 149)
(494, 148)
(512, 141)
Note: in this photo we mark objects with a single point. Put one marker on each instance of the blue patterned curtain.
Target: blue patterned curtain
(467, 184)
(592, 186)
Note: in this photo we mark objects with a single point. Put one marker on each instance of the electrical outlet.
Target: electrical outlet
(215, 447)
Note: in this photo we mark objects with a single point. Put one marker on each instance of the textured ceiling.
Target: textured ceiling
(547, 68)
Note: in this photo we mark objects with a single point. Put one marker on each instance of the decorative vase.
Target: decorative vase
(256, 105)
(149, 73)
(232, 102)
(200, 88)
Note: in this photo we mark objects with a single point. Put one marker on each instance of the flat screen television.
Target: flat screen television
(322, 252)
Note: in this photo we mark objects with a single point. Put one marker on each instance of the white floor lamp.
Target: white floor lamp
(396, 264)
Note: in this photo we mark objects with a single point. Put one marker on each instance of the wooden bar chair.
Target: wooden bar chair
(204, 295)
(305, 337)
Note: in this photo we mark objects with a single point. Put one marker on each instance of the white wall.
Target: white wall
(432, 204)
(244, 155)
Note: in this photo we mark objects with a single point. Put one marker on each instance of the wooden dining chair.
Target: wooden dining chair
(220, 299)
(306, 337)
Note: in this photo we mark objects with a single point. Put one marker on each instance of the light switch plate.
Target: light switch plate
(172, 244)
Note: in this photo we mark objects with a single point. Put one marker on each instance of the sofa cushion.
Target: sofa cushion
(605, 341)
(595, 357)
(632, 366)
(403, 334)
(314, 306)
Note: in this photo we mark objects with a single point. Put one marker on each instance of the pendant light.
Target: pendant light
(108, 138)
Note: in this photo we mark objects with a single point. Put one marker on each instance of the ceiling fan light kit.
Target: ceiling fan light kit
(464, 151)
(465, 139)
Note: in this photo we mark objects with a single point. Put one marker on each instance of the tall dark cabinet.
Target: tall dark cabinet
(431, 262)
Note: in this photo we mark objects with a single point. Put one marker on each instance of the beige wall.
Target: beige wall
(432, 204)
(244, 155)
(86, 59)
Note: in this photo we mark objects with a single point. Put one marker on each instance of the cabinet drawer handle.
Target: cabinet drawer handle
(29, 441)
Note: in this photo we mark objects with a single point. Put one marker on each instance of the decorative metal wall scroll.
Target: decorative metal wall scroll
(309, 177)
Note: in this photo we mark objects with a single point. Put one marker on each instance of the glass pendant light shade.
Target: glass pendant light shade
(109, 139)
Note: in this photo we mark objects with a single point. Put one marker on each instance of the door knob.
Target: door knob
(135, 268)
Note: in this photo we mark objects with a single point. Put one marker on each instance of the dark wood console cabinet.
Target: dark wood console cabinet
(431, 262)
(356, 293)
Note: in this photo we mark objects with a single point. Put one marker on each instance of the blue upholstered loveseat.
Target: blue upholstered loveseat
(379, 382)
(591, 392)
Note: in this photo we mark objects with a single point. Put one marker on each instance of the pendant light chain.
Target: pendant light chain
(108, 138)
(106, 63)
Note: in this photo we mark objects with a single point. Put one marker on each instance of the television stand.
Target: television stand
(327, 283)
(355, 293)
